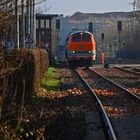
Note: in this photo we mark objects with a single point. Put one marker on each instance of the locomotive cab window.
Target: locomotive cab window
(76, 39)
(86, 38)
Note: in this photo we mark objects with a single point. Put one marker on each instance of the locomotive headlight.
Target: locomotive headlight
(91, 52)
(73, 51)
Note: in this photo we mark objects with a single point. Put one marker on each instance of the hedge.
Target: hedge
(26, 69)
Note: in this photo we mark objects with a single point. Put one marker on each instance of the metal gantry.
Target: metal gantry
(136, 7)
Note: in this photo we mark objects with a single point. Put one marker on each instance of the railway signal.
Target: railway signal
(119, 25)
(90, 27)
(102, 36)
(103, 41)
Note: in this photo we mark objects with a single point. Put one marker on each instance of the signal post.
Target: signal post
(119, 28)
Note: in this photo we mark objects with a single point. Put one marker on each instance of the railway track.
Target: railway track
(127, 79)
(137, 70)
(122, 109)
(131, 70)
(109, 132)
(78, 97)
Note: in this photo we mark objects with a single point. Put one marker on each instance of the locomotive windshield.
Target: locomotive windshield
(76, 39)
(86, 38)
(81, 37)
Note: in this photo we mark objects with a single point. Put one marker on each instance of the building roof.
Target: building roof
(46, 16)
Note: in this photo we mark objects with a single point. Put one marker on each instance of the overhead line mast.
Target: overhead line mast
(134, 14)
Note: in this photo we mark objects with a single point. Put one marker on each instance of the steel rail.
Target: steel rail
(108, 126)
(135, 97)
(128, 71)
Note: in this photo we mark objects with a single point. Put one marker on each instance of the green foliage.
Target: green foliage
(51, 79)
(49, 84)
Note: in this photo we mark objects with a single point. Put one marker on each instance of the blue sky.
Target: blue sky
(69, 7)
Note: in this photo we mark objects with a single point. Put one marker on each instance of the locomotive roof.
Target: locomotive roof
(79, 32)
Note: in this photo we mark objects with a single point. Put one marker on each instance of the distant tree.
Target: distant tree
(5, 7)
(9, 9)
(3, 23)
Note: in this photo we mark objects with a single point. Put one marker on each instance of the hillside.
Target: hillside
(99, 17)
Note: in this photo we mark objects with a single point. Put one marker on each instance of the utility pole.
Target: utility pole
(23, 22)
(32, 20)
(134, 16)
(119, 27)
(31, 16)
(28, 21)
(103, 42)
(28, 16)
(17, 23)
(34, 23)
